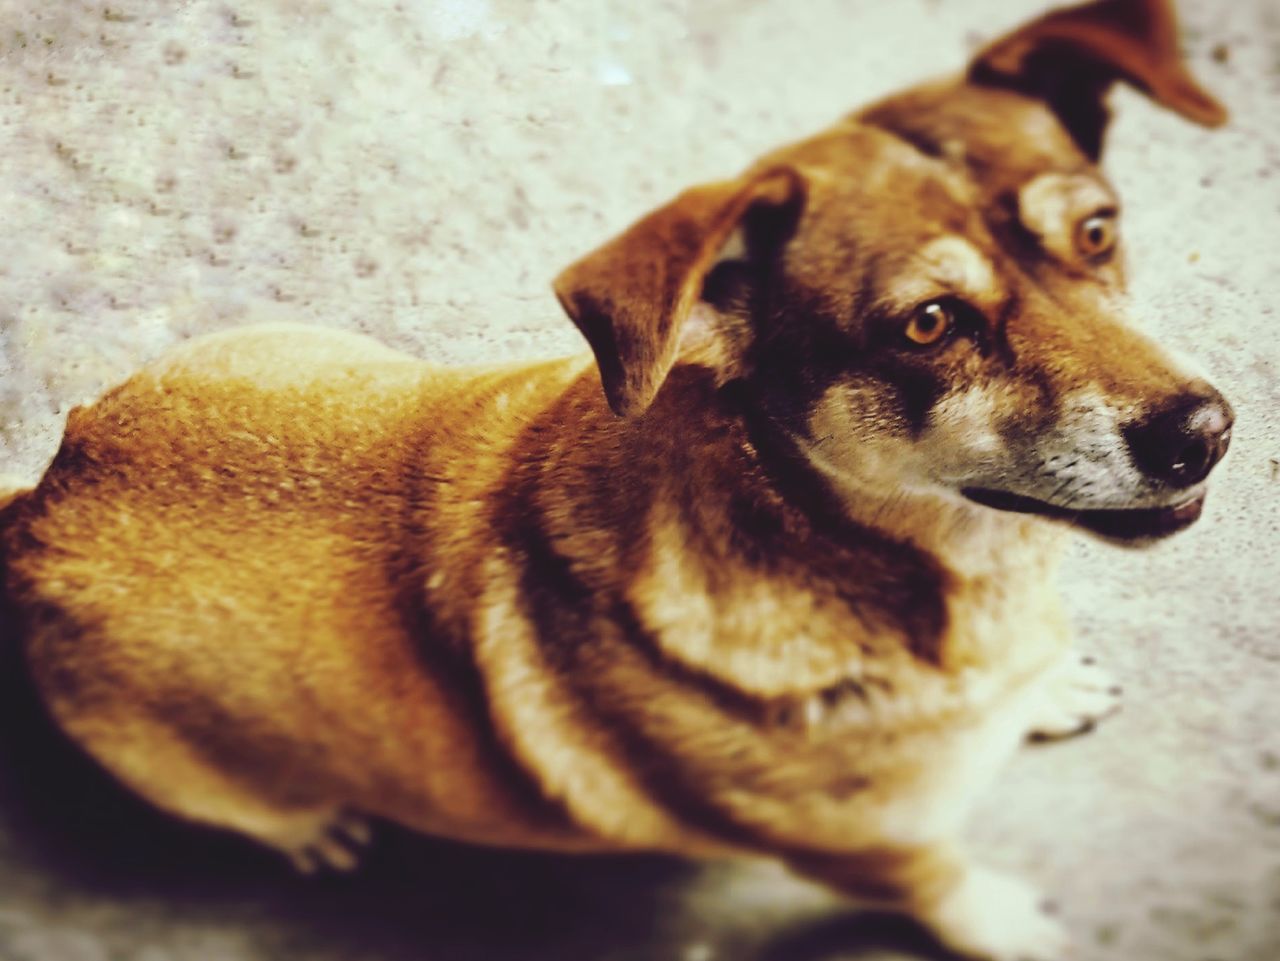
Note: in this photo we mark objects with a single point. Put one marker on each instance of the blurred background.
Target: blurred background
(419, 170)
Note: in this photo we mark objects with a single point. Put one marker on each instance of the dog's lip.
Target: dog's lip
(1118, 524)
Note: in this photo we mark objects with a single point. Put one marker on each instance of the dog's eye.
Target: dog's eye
(1096, 237)
(929, 324)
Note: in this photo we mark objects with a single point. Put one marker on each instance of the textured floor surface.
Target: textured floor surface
(418, 171)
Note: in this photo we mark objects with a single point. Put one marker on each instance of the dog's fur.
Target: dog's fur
(286, 577)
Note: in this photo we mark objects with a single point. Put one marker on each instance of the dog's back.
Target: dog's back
(240, 511)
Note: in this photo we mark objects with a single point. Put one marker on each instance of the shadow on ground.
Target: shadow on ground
(97, 848)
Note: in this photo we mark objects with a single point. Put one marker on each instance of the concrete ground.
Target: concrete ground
(419, 170)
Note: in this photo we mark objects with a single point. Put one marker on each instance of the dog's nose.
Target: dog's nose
(1182, 443)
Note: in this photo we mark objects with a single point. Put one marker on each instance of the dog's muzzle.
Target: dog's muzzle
(1175, 448)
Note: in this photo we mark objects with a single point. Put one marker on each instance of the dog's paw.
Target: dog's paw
(992, 916)
(1076, 697)
(330, 841)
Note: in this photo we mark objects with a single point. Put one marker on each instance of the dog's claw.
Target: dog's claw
(1076, 698)
(335, 844)
(354, 828)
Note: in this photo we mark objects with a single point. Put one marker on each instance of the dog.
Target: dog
(782, 588)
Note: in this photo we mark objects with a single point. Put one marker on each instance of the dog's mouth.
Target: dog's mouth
(1124, 526)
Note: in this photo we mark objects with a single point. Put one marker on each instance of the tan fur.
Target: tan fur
(285, 577)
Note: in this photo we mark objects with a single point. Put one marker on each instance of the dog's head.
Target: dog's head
(928, 298)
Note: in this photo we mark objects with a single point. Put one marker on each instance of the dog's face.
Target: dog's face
(928, 298)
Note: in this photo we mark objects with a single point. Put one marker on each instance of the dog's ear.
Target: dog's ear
(1071, 57)
(631, 296)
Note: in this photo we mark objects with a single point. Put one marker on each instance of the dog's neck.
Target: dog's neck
(997, 567)
(969, 540)
(744, 538)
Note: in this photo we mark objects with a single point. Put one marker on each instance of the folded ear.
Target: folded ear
(1070, 57)
(631, 296)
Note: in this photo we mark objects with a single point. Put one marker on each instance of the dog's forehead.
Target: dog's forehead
(874, 163)
(1003, 136)
(879, 207)
(862, 177)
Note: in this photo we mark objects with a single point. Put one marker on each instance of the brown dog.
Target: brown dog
(789, 597)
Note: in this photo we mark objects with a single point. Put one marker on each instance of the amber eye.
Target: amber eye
(1096, 236)
(929, 324)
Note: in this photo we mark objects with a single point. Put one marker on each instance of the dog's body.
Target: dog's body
(286, 576)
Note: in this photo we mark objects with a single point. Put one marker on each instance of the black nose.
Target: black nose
(1181, 443)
